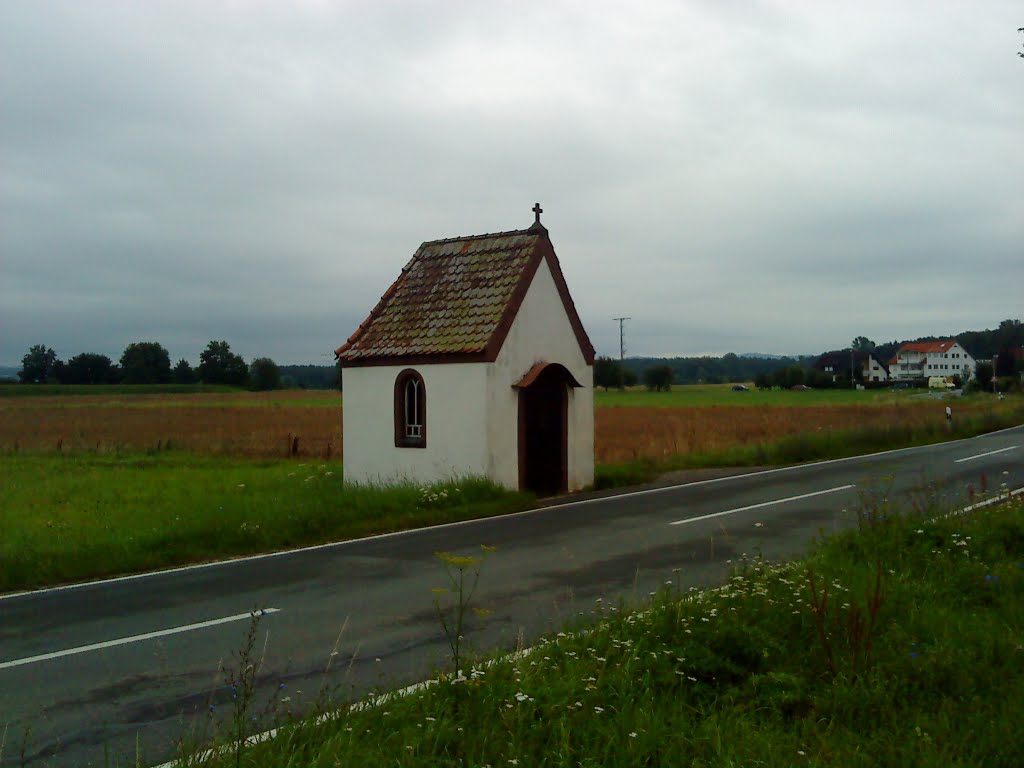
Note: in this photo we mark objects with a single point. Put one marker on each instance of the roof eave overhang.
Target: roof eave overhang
(538, 368)
(446, 358)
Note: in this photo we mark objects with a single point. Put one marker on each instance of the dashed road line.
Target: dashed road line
(982, 455)
(134, 638)
(762, 504)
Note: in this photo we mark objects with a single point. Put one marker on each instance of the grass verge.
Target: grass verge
(895, 644)
(812, 446)
(74, 517)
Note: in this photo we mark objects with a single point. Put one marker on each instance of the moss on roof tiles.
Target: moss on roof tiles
(450, 297)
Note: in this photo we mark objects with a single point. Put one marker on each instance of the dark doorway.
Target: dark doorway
(544, 430)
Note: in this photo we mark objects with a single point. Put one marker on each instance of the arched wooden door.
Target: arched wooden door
(544, 429)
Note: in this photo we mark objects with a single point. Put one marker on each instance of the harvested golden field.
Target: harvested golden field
(627, 434)
(308, 424)
(244, 424)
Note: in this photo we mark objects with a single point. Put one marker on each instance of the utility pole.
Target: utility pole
(622, 348)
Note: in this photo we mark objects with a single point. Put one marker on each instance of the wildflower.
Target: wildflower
(599, 710)
(632, 735)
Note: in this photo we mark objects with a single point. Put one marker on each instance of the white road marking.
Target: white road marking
(472, 521)
(999, 498)
(378, 699)
(980, 455)
(132, 639)
(762, 504)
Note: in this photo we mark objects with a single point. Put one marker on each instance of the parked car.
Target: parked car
(740, 388)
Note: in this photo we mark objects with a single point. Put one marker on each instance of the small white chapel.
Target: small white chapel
(473, 363)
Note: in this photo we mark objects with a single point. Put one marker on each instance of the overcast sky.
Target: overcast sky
(734, 176)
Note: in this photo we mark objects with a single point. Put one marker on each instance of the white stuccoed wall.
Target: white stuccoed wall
(540, 333)
(472, 409)
(456, 425)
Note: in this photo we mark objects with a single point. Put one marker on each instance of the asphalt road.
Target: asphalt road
(97, 673)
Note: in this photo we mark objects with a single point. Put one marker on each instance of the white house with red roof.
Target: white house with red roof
(925, 359)
(473, 363)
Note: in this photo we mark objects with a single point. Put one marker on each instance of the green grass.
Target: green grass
(686, 395)
(895, 644)
(73, 517)
(814, 446)
(68, 518)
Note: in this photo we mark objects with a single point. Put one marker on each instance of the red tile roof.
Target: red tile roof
(928, 346)
(455, 301)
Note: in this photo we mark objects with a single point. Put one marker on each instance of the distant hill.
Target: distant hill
(762, 356)
(9, 372)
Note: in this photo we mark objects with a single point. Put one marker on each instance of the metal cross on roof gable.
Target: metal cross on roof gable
(537, 211)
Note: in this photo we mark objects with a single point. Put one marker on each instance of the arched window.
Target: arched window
(410, 410)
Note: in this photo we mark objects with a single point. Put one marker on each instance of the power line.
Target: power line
(622, 347)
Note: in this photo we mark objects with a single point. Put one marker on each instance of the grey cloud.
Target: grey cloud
(720, 171)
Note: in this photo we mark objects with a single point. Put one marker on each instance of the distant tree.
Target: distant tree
(183, 373)
(658, 378)
(862, 344)
(629, 378)
(818, 379)
(90, 368)
(264, 374)
(790, 376)
(145, 362)
(37, 366)
(1005, 361)
(609, 372)
(763, 380)
(983, 376)
(219, 365)
(59, 374)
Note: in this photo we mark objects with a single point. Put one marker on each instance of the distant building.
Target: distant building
(474, 363)
(925, 359)
(837, 365)
(874, 370)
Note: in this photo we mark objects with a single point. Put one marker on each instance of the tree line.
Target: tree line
(147, 362)
(1001, 345)
(660, 373)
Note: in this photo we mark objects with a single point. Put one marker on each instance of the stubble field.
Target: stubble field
(108, 483)
(629, 426)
